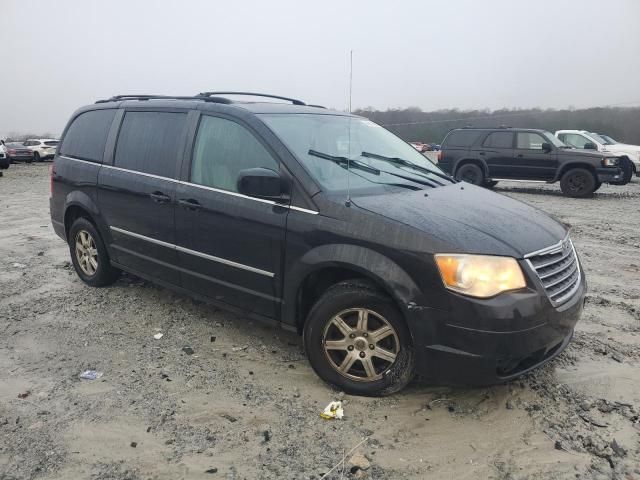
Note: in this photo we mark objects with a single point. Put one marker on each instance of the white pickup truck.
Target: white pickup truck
(629, 154)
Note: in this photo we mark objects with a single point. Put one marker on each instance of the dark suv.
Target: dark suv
(322, 223)
(483, 156)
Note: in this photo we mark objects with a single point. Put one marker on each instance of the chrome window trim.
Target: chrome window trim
(194, 252)
(190, 184)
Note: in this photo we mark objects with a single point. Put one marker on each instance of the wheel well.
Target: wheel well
(316, 283)
(72, 214)
(467, 161)
(586, 166)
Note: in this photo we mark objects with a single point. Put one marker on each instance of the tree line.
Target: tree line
(414, 125)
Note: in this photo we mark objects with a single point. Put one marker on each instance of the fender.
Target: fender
(481, 161)
(80, 199)
(572, 164)
(379, 268)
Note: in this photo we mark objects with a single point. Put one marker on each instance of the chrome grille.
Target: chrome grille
(558, 270)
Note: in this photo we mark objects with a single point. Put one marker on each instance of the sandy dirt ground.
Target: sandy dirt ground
(243, 403)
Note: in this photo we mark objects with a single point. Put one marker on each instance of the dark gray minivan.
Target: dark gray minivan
(323, 223)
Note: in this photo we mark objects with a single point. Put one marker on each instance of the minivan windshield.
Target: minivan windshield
(340, 151)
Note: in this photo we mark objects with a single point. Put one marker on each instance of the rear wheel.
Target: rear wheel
(470, 173)
(36, 157)
(89, 254)
(356, 339)
(578, 183)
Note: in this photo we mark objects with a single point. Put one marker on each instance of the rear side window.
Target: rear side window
(86, 137)
(499, 140)
(148, 142)
(461, 138)
(223, 148)
(51, 143)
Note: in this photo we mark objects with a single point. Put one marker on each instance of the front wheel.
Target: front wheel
(89, 255)
(357, 339)
(578, 183)
(470, 173)
(627, 170)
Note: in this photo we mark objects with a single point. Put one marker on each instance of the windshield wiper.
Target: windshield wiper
(345, 161)
(405, 163)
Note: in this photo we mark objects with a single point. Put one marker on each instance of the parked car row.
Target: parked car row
(425, 147)
(484, 156)
(35, 149)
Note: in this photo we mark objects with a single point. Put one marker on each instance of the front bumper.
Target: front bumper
(483, 342)
(609, 175)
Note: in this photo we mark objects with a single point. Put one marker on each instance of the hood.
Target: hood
(623, 148)
(463, 218)
(573, 152)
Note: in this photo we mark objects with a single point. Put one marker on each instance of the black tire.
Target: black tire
(470, 173)
(36, 157)
(627, 171)
(578, 183)
(104, 274)
(598, 185)
(345, 298)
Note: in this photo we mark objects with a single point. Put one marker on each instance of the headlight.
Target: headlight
(479, 275)
(610, 161)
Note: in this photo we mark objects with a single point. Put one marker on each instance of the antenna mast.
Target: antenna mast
(348, 203)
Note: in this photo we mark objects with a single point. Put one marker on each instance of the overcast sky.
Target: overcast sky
(59, 55)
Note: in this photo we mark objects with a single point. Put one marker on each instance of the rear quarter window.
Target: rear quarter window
(87, 135)
(499, 140)
(461, 138)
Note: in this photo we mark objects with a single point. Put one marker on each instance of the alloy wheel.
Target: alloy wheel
(360, 344)
(86, 253)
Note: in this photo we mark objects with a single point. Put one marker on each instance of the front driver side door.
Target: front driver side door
(531, 161)
(230, 245)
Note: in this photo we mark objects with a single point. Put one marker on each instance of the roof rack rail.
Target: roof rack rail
(252, 94)
(117, 98)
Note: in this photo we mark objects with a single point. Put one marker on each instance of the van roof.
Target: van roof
(207, 100)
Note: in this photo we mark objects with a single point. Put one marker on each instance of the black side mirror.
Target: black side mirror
(261, 183)
(546, 147)
(590, 146)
